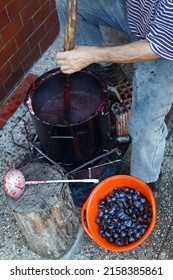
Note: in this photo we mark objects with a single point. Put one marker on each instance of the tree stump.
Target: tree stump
(46, 213)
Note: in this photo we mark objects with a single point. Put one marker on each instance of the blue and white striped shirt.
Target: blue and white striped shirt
(153, 20)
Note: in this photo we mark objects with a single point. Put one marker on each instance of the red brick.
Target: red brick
(2, 59)
(2, 123)
(42, 14)
(51, 21)
(49, 38)
(3, 3)
(11, 29)
(22, 4)
(10, 48)
(31, 58)
(5, 72)
(30, 9)
(19, 55)
(14, 79)
(25, 32)
(13, 101)
(53, 5)
(13, 8)
(42, 2)
(1, 42)
(37, 36)
(3, 19)
(7, 52)
(3, 93)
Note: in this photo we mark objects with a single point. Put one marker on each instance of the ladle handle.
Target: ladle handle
(70, 28)
(63, 181)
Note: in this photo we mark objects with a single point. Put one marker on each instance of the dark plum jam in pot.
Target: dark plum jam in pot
(82, 105)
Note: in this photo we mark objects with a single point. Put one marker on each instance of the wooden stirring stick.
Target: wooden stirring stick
(70, 29)
(69, 38)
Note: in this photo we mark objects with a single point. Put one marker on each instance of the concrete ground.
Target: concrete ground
(13, 148)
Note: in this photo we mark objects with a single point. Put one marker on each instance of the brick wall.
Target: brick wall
(27, 29)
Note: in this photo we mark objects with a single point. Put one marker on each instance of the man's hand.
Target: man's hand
(82, 56)
(75, 60)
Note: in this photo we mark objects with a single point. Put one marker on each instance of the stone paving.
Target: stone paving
(14, 147)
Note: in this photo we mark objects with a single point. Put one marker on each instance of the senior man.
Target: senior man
(149, 26)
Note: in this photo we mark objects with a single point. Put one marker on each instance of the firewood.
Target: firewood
(46, 213)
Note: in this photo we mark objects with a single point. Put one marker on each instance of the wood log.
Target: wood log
(46, 213)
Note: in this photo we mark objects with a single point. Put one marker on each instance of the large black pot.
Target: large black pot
(71, 142)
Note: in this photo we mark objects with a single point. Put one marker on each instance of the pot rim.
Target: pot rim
(40, 80)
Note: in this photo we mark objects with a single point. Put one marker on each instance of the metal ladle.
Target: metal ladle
(14, 182)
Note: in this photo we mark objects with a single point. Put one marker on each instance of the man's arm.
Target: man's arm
(82, 56)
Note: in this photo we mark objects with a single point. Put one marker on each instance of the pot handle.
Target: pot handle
(26, 96)
(82, 216)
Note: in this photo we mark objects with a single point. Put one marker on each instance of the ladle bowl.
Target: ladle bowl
(14, 182)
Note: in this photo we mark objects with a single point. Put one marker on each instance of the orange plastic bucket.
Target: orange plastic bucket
(89, 211)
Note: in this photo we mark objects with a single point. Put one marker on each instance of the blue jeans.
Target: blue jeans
(152, 84)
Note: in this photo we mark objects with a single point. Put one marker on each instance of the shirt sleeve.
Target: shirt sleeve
(160, 34)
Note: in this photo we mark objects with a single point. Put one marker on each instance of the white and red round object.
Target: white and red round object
(14, 183)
